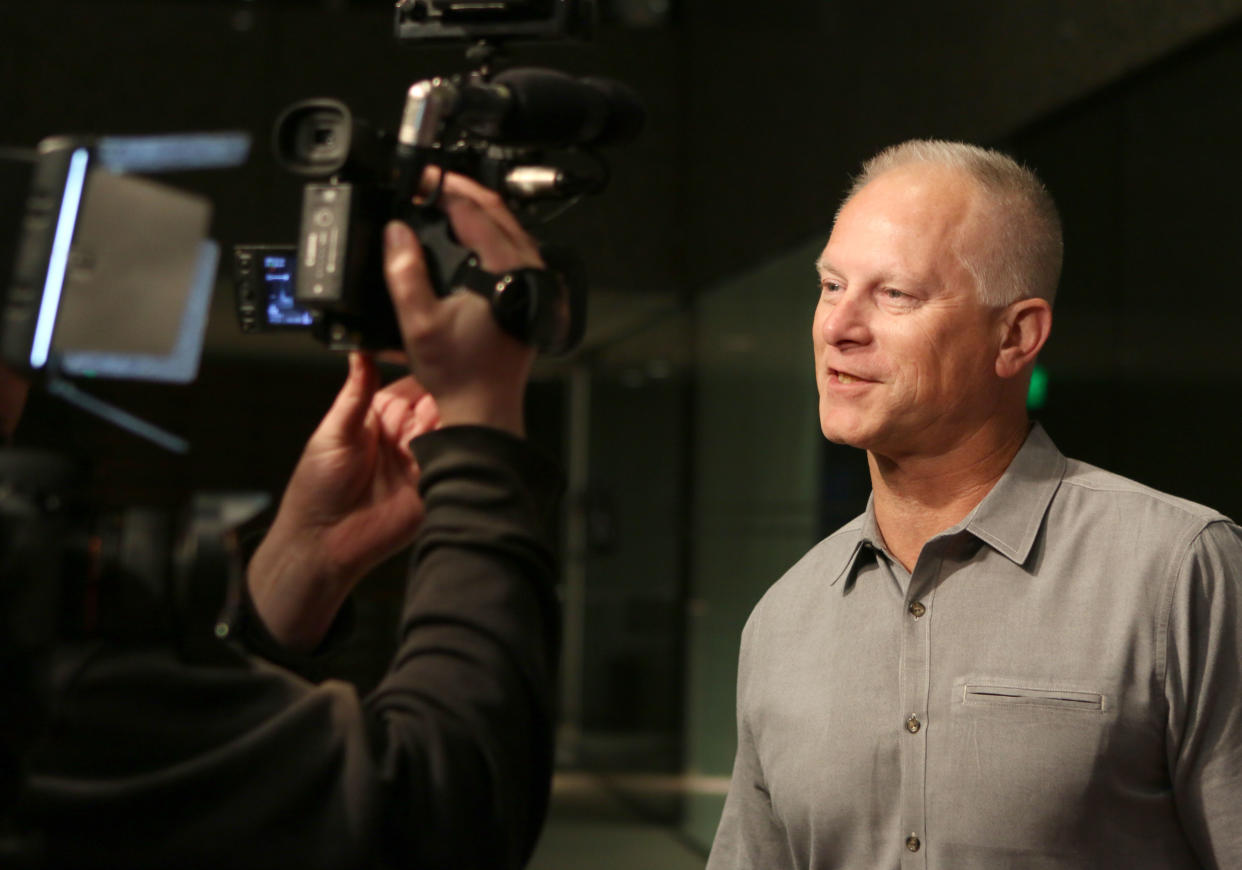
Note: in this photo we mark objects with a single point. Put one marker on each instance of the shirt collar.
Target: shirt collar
(1009, 517)
(868, 542)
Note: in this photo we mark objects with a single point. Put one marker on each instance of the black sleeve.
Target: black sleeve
(447, 763)
(462, 725)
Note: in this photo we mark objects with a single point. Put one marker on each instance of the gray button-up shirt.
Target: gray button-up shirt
(1055, 686)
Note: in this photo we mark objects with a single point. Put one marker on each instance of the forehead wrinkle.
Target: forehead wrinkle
(884, 274)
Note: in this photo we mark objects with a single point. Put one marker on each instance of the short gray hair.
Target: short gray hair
(1025, 254)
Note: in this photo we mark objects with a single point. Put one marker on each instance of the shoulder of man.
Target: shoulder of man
(816, 570)
(1133, 500)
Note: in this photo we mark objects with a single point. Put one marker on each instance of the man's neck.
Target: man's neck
(917, 497)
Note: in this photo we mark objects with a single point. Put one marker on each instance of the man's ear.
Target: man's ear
(1025, 326)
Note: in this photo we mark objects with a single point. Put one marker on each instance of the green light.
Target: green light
(1037, 395)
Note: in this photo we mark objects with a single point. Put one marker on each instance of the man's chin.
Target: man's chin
(847, 436)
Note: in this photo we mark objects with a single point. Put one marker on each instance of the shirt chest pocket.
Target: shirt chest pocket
(1008, 695)
(1021, 750)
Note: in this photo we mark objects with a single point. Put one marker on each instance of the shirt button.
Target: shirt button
(912, 843)
(913, 724)
(917, 609)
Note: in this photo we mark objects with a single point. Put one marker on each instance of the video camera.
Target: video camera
(528, 133)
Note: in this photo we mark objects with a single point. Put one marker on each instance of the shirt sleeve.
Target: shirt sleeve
(447, 763)
(749, 837)
(1203, 686)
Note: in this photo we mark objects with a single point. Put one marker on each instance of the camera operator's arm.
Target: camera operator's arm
(352, 502)
(467, 709)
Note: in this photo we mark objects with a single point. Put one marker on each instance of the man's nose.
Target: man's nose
(847, 319)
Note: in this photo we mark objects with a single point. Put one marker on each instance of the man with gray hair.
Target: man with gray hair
(1010, 659)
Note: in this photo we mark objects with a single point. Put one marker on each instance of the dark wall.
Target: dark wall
(786, 98)
(1145, 362)
(635, 560)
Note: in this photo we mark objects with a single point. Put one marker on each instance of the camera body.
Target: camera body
(529, 134)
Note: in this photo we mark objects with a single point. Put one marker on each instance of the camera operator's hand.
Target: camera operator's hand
(352, 502)
(353, 499)
(476, 372)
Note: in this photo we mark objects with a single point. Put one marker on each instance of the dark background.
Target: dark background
(758, 114)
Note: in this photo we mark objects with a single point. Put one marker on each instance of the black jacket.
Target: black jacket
(446, 764)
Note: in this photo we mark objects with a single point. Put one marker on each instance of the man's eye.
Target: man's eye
(830, 286)
(892, 294)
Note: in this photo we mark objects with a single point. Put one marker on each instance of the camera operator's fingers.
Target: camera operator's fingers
(482, 222)
(477, 213)
(403, 412)
(426, 415)
(467, 190)
(406, 274)
(350, 407)
(393, 357)
(423, 417)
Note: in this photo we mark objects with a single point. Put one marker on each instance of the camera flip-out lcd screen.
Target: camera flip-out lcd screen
(279, 291)
(265, 280)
